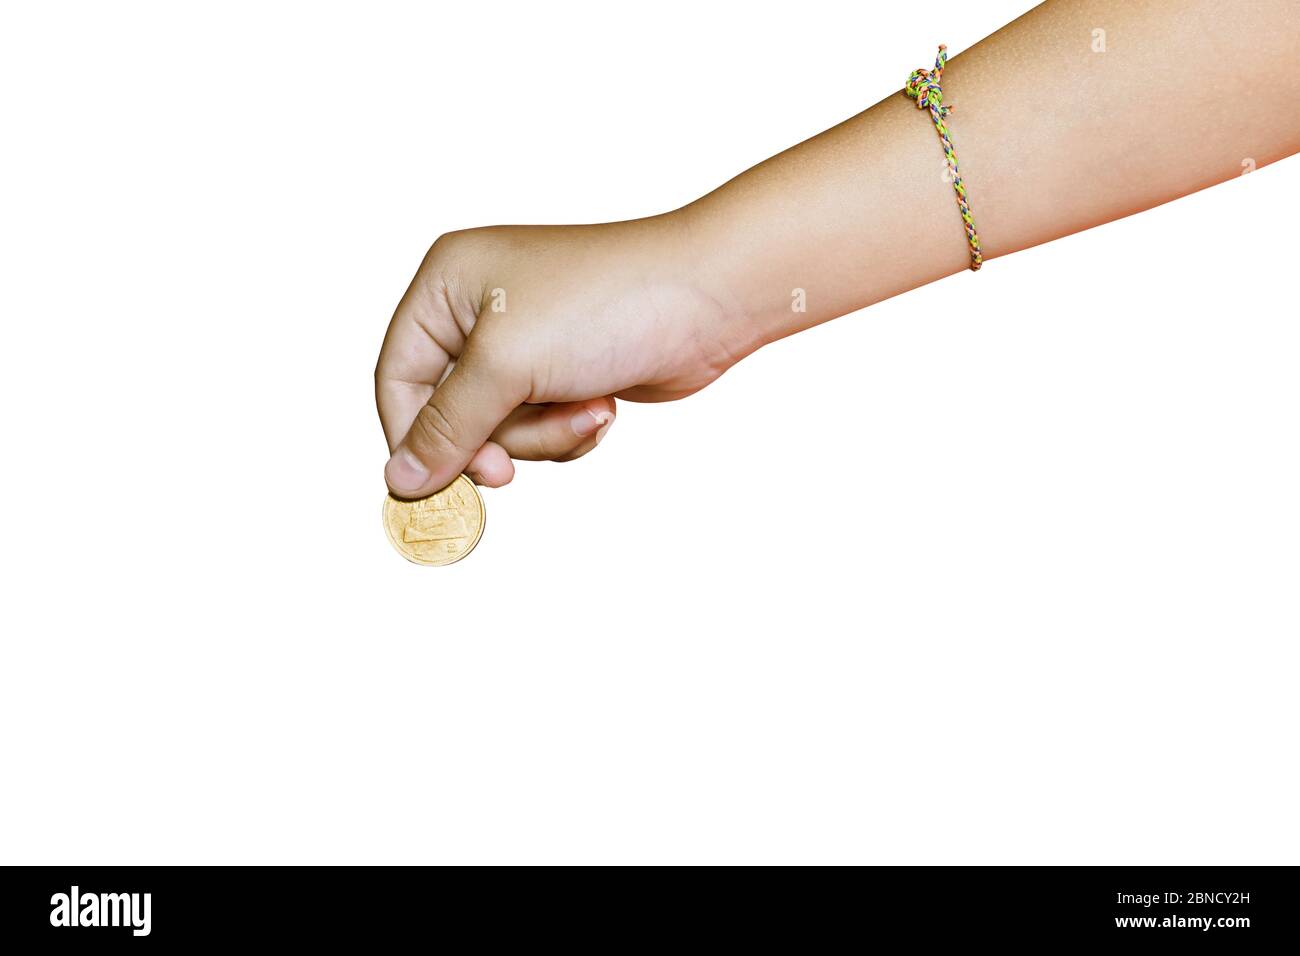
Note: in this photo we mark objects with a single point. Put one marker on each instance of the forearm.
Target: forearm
(1052, 137)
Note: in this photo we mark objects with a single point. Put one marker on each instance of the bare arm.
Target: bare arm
(1052, 133)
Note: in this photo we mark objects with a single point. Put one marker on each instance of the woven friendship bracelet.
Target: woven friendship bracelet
(923, 86)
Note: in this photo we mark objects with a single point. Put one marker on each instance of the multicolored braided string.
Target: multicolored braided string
(923, 86)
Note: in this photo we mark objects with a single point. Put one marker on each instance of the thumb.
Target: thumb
(460, 416)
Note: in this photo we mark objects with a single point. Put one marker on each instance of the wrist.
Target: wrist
(743, 312)
(770, 276)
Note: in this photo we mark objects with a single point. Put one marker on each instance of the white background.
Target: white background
(1003, 570)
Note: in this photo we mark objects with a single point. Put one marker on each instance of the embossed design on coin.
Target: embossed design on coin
(439, 529)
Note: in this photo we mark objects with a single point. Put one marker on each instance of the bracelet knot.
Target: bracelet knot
(923, 86)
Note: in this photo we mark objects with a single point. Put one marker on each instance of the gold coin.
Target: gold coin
(439, 529)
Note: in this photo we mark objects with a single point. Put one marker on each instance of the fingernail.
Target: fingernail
(405, 472)
(587, 421)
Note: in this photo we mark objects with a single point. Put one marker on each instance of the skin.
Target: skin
(655, 309)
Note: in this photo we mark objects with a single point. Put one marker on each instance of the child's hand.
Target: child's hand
(547, 324)
(541, 327)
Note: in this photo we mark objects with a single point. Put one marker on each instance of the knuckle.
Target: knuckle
(441, 255)
(434, 431)
(458, 246)
(542, 449)
(443, 246)
(446, 257)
